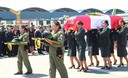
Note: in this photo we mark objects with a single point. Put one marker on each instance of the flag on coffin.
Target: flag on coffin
(92, 22)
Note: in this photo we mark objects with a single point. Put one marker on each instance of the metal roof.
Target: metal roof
(34, 9)
(118, 11)
(65, 10)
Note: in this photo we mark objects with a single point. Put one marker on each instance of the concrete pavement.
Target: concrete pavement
(40, 65)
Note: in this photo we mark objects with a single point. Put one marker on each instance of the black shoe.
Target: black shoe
(18, 73)
(85, 70)
(73, 66)
(115, 62)
(109, 67)
(92, 64)
(121, 65)
(105, 67)
(81, 69)
(97, 64)
(28, 73)
(78, 67)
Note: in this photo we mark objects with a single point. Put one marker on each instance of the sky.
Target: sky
(56, 4)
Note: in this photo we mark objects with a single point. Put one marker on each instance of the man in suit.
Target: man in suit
(3, 38)
(9, 37)
(38, 34)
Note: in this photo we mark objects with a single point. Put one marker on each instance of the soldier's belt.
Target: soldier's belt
(47, 40)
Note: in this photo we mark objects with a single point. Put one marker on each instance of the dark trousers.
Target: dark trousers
(10, 53)
(40, 49)
(15, 50)
(4, 49)
(47, 48)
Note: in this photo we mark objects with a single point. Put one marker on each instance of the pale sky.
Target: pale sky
(74, 4)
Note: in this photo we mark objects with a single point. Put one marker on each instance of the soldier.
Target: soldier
(122, 42)
(104, 43)
(80, 34)
(56, 53)
(71, 43)
(22, 53)
(93, 50)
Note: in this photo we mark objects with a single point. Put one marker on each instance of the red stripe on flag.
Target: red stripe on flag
(114, 21)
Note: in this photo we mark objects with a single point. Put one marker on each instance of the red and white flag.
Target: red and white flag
(92, 22)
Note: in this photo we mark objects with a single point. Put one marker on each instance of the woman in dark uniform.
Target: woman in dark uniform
(122, 42)
(93, 49)
(104, 42)
(71, 42)
(80, 34)
(112, 35)
(31, 42)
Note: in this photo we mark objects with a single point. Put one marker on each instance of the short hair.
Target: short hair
(79, 22)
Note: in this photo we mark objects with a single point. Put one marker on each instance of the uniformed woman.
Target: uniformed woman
(104, 43)
(22, 53)
(122, 42)
(112, 36)
(80, 34)
(93, 47)
(56, 52)
(71, 43)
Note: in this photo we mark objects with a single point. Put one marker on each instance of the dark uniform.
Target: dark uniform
(15, 47)
(104, 42)
(1, 41)
(31, 35)
(112, 38)
(55, 50)
(122, 41)
(4, 47)
(92, 41)
(81, 43)
(23, 55)
(38, 34)
(71, 42)
(9, 37)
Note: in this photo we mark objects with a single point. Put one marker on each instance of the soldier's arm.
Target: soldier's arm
(103, 33)
(60, 40)
(26, 38)
(124, 31)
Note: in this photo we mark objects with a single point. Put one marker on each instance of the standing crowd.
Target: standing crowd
(11, 32)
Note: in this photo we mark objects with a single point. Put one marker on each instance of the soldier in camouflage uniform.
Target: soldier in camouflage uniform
(56, 52)
(22, 53)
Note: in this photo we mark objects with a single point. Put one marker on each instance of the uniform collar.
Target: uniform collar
(22, 33)
(105, 27)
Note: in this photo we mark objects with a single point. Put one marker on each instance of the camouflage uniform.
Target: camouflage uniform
(23, 55)
(56, 56)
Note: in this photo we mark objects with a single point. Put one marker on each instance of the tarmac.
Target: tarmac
(40, 66)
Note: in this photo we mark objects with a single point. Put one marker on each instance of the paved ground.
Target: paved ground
(40, 65)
